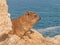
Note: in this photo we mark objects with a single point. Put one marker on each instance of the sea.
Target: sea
(49, 10)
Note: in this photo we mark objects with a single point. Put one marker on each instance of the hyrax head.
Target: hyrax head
(29, 19)
(25, 22)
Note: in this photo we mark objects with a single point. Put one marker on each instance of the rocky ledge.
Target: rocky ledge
(26, 35)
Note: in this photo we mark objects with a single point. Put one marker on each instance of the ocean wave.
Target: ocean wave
(50, 31)
(49, 28)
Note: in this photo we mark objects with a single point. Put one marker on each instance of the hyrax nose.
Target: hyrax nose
(39, 17)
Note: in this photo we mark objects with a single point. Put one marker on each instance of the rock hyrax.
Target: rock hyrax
(24, 23)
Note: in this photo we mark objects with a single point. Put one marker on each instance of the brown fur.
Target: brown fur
(24, 23)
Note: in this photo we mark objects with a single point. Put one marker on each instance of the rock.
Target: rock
(28, 39)
(5, 21)
(53, 40)
(3, 7)
(57, 37)
(33, 34)
(24, 23)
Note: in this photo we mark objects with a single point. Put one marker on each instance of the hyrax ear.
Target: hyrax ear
(26, 13)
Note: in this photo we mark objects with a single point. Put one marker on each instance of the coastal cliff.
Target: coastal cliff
(32, 37)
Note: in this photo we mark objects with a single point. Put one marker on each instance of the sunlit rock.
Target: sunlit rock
(5, 21)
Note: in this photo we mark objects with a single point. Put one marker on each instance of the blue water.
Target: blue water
(49, 10)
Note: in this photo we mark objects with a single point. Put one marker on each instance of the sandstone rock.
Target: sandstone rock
(5, 21)
(3, 6)
(57, 37)
(33, 39)
(53, 40)
(33, 34)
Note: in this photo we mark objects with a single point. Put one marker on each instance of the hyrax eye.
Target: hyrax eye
(28, 14)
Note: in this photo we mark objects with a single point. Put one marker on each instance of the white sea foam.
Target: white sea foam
(49, 28)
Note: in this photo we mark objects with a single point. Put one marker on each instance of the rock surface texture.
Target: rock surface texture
(10, 36)
(5, 21)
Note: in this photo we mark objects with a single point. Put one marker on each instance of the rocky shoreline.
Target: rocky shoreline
(34, 38)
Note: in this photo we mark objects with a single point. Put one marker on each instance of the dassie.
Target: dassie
(24, 23)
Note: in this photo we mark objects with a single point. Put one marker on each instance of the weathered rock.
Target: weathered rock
(5, 21)
(3, 7)
(34, 38)
(28, 39)
(52, 41)
(57, 37)
(24, 23)
(33, 34)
